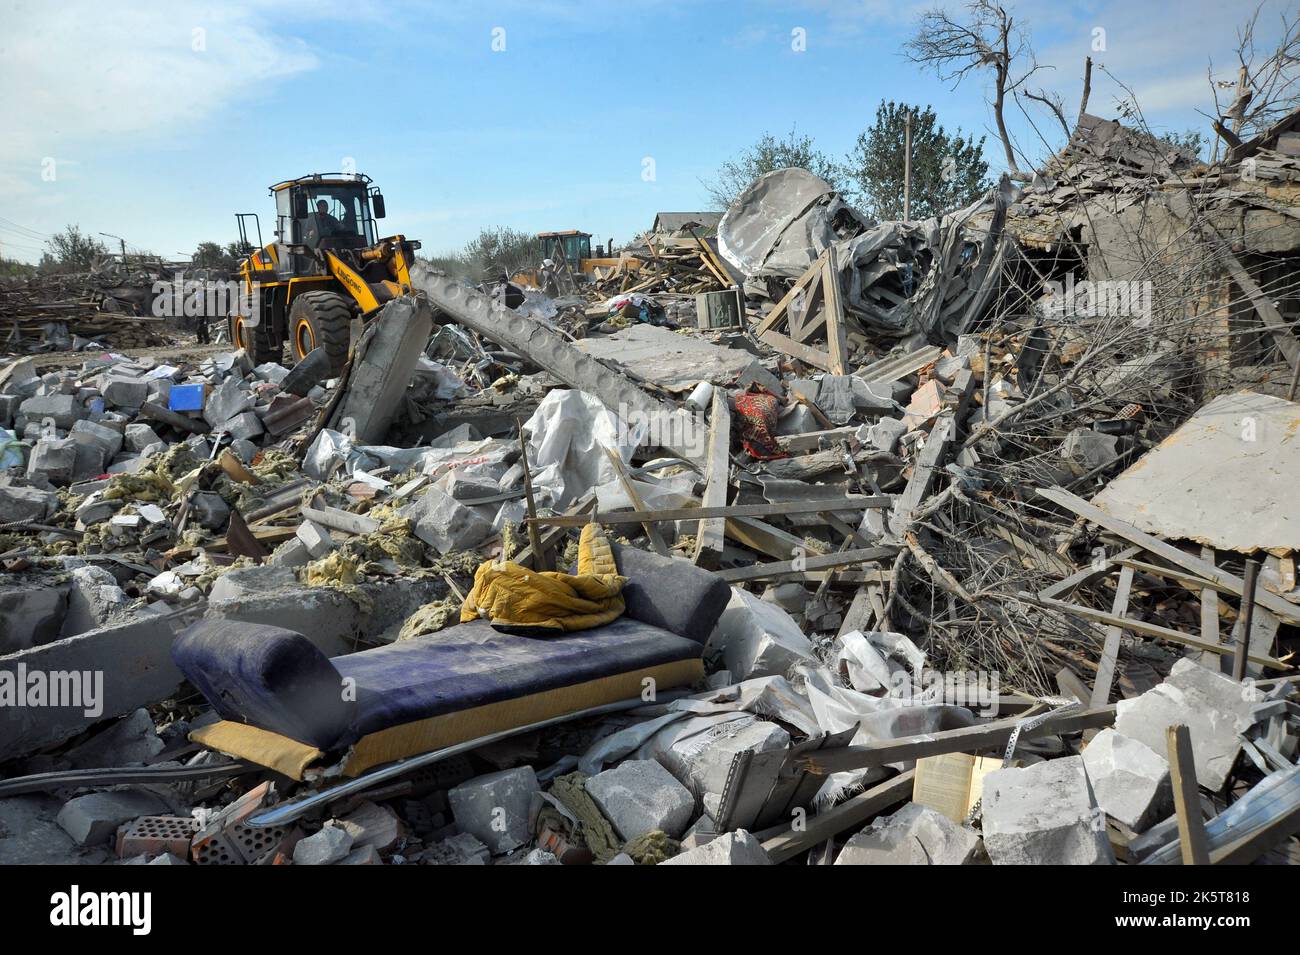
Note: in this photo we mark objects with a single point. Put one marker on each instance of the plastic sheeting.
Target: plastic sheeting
(566, 437)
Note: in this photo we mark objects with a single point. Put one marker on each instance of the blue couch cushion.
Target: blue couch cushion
(267, 677)
(472, 664)
(671, 592)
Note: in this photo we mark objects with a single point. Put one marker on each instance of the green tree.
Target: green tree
(766, 155)
(210, 255)
(1192, 140)
(948, 171)
(494, 249)
(71, 251)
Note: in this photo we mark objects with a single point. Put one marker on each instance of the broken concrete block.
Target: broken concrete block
(93, 597)
(54, 459)
(387, 359)
(9, 409)
(26, 504)
(129, 741)
(316, 538)
(139, 436)
(323, 848)
(129, 393)
(494, 808)
(244, 427)
(365, 855)
(30, 614)
(104, 437)
(444, 523)
(883, 435)
(93, 819)
(127, 666)
(706, 766)
(460, 849)
(292, 553)
(230, 398)
(1129, 780)
(90, 460)
(915, 835)
(208, 509)
(757, 638)
(640, 796)
(730, 848)
(62, 410)
(1044, 814)
(372, 825)
(1215, 708)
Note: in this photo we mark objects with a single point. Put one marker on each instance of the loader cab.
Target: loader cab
(571, 246)
(323, 213)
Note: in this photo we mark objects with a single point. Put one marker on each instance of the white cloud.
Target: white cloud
(81, 75)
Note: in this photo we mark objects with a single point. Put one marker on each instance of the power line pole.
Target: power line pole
(907, 167)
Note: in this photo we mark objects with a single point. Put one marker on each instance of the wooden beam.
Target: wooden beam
(1228, 582)
(711, 532)
(651, 532)
(1145, 629)
(967, 739)
(726, 511)
(836, 343)
(785, 842)
(1187, 797)
(799, 564)
(1110, 650)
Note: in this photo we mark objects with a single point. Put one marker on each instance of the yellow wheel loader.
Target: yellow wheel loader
(324, 268)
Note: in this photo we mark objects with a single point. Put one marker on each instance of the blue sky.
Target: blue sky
(158, 121)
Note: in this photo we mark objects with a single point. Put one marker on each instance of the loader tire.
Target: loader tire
(321, 320)
(256, 339)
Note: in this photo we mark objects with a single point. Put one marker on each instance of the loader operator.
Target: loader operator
(327, 224)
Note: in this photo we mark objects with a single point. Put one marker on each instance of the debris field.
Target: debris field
(794, 537)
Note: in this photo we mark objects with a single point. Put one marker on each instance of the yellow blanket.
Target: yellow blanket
(517, 598)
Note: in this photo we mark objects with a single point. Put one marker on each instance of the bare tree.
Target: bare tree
(986, 38)
(1267, 86)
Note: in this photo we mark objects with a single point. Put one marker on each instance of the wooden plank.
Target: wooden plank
(786, 344)
(1088, 575)
(1279, 327)
(728, 512)
(763, 537)
(1229, 582)
(1187, 797)
(711, 532)
(339, 520)
(651, 532)
(1146, 629)
(812, 562)
(786, 842)
(1209, 604)
(552, 536)
(837, 345)
(967, 739)
(812, 441)
(771, 319)
(1110, 650)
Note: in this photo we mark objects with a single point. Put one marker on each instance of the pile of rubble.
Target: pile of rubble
(109, 305)
(926, 556)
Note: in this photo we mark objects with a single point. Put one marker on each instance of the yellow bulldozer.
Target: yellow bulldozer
(324, 268)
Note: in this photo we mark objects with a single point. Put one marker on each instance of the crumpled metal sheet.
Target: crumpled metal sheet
(782, 223)
(1225, 479)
